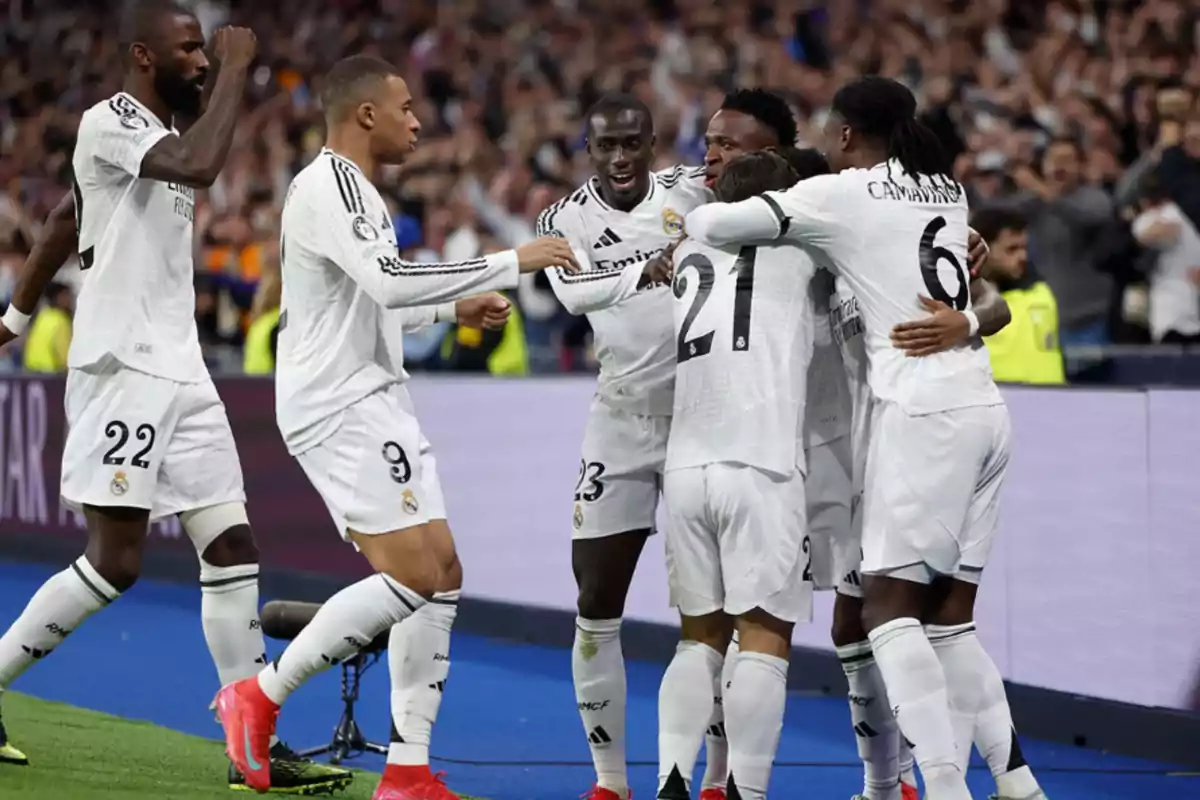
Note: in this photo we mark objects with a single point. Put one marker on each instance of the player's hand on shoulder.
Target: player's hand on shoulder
(942, 330)
(977, 252)
(490, 311)
(546, 253)
(234, 46)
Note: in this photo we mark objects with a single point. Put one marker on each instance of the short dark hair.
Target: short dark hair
(885, 111)
(614, 103)
(1150, 188)
(768, 108)
(140, 21)
(349, 80)
(751, 174)
(808, 162)
(992, 221)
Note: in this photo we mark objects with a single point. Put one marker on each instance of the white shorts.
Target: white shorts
(139, 441)
(620, 473)
(833, 519)
(932, 491)
(376, 472)
(737, 541)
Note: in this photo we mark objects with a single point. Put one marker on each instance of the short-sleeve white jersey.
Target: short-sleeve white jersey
(743, 340)
(344, 288)
(137, 301)
(631, 328)
(892, 238)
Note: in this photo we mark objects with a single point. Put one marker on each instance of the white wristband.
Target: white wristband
(446, 312)
(16, 321)
(972, 322)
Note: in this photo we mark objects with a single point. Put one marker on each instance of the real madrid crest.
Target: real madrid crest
(672, 222)
(120, 484)
(578, 517)
(410, 501)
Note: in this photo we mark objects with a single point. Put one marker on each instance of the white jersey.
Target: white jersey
(340, 328)
(743, 340)
(827, 408)
(892, 239)
(631, 329)
(846, 324)
(137, 303)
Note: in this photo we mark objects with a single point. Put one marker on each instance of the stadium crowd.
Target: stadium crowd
(1078, 115)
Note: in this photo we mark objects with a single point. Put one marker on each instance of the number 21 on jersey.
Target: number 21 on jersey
(700, 269)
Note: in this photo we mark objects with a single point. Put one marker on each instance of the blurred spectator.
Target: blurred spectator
(502, 88)
(1175, 278)
(262, 336)
(1068, 215)
(1027, 350)
(49, 336)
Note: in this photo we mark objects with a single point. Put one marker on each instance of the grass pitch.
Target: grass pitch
(76, 754)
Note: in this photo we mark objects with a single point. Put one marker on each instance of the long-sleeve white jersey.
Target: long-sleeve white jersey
(892, 239)
(632, 329)
(340, 329)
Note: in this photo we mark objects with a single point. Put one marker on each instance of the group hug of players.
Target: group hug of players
(789, 354)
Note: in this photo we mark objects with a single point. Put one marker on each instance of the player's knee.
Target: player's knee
(405, 556)
(599, 599)
(952, 602)
(760, 632)
(714, 630)
(221, 534)
(451, 574)
(116, 537)
(120, 566)
(847, 626)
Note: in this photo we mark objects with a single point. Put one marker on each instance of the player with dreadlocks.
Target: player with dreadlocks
(892, 222)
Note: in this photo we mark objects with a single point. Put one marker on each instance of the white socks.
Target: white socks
(685, 710)
(716, 740)
(980, 707)
(754, 708)
(419, 661)
(345, 624)
(598, 667)
(229, 615)
(58, 608)
(875, 728)
(916, 687)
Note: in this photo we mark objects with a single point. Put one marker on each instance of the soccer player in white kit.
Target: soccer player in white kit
(734, 486)
(341, 404)
(940, 432)
(147, 434)
(618, 223)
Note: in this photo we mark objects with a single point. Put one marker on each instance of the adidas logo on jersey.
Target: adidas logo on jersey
(608, 238)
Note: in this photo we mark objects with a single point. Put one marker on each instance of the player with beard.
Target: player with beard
(938, 447)
(617, 222)
(147, 434)
(835, 432)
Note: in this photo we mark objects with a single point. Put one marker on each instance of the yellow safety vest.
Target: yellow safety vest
(509, 357)
(1027, 350)
(48, 341)
(259, 358)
